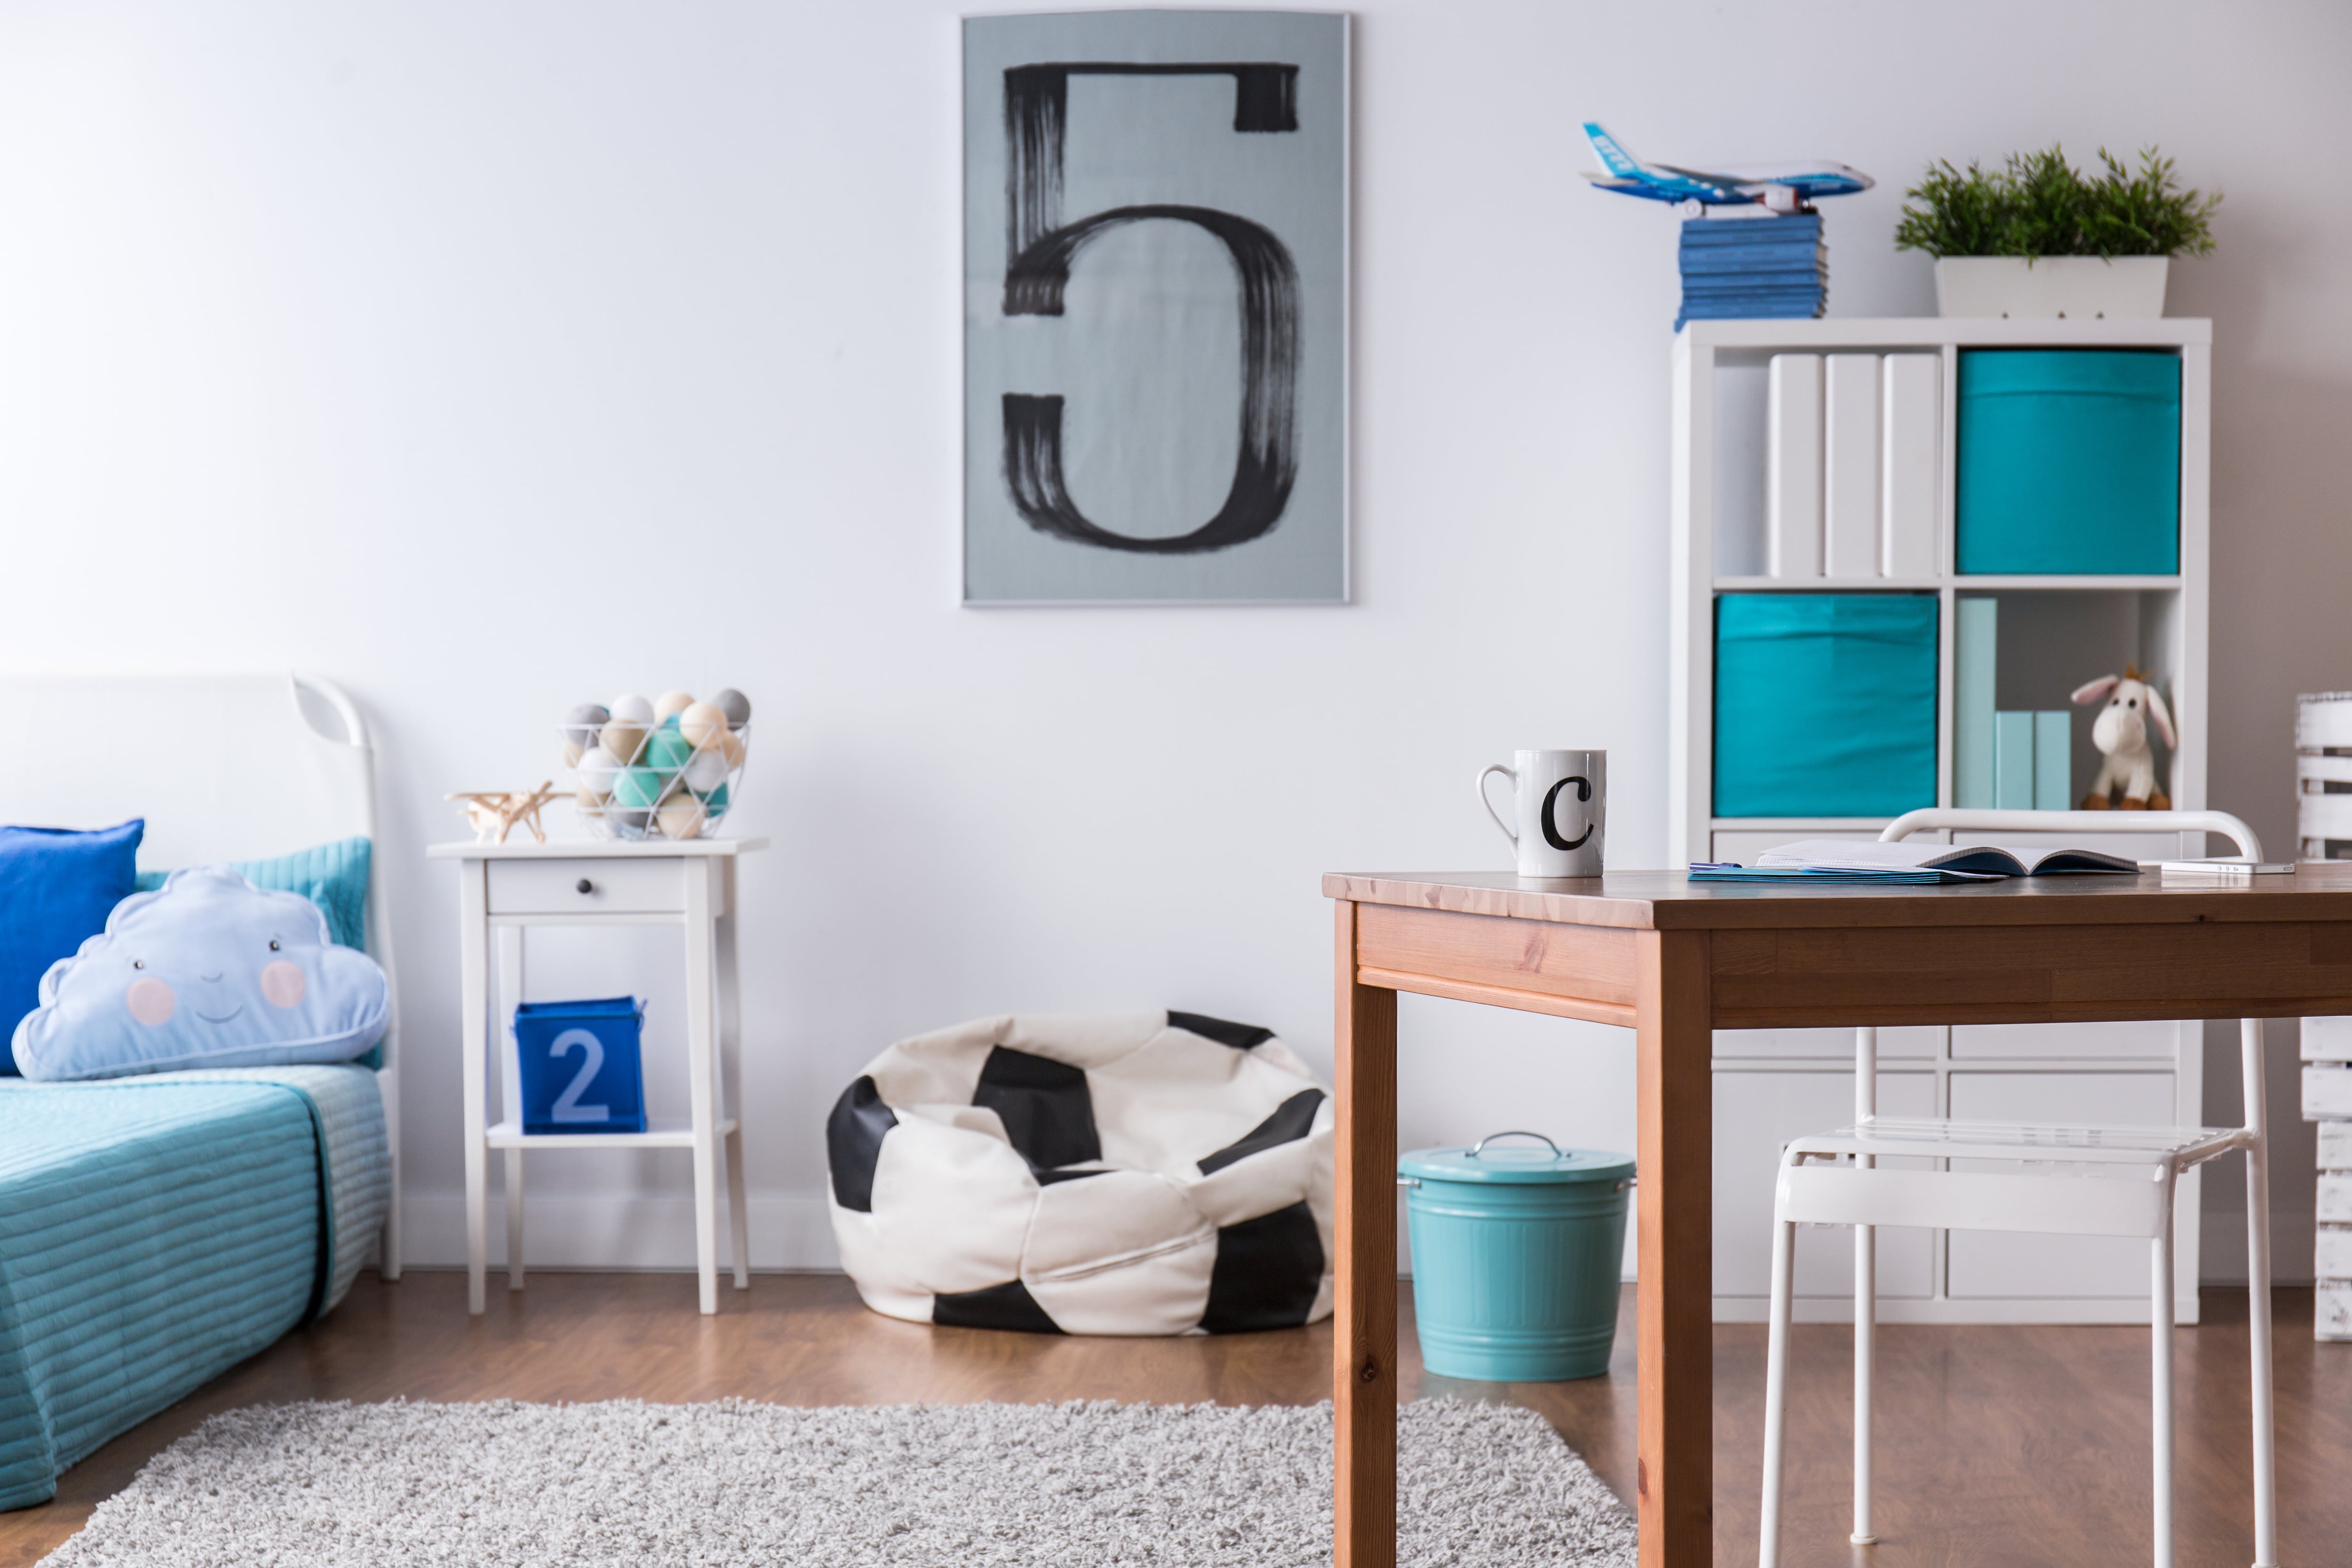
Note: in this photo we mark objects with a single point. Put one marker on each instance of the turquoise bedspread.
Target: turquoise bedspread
(156, 1231)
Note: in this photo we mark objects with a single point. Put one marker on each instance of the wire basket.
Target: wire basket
(677, 780)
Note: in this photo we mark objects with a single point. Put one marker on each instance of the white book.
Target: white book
(1850, 466)
(1961, 861)
(1792, 475)
(1910, 431)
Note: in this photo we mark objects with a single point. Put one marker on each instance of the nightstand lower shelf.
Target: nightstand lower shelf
(661, 1133)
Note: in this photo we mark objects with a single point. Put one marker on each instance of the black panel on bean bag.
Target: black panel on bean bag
(1292, 1120)
(1047, 1178)
(853, 1143)
(1005, 1306)
(1267, 1272)
(1240, 1037)
(1046, 1111)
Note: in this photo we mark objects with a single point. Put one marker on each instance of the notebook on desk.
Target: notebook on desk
(1861, 860)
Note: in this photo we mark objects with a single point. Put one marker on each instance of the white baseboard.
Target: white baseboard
(791, 1233)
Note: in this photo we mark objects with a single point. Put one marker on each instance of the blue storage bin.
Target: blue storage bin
(2069, 461)
(581, 1067)
(1824, 704)
(1515, 1257)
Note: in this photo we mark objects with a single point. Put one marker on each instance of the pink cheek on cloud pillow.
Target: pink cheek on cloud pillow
(151, 1002)
(282, 985)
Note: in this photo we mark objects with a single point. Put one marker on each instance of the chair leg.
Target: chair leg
(2258, 1301)
(1865, 1356)
(2160, 1400)
(1776, 1380)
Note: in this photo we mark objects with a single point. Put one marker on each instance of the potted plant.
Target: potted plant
(2038, 238)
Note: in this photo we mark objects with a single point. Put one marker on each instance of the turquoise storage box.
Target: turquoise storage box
(1824, 704)
(1515, 1257)
(2069, 461)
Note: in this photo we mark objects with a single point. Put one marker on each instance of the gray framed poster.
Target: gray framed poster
(1156, 307)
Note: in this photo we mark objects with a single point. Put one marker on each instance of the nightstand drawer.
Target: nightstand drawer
(613, 887)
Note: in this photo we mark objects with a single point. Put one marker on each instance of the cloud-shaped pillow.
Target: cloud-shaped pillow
(208, 971)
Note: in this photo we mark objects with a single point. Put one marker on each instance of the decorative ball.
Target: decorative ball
(595, 770)
(640, 787)
(580, 726)
(668, 749)
(716, 799)
(681, 817)
(734, 704)
(591, 804)
(570, 750)
(627, 823)
(703, 723)
(730, 746)
(670, 702)
(623, 739)
(632, 708)
(705, 770)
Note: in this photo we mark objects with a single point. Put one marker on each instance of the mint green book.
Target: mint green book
(2054, 758)
(1973, 633)
(2012, 761)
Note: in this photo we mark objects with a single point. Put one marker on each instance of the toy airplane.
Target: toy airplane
(1777, 188)
(493, 814)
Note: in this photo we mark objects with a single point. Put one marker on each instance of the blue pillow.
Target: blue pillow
(333, 876)
(55, 888)
(207, 972)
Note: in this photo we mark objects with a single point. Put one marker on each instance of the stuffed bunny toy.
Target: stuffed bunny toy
(2120, 732)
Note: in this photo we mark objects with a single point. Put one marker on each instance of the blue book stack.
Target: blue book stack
(1748, 267)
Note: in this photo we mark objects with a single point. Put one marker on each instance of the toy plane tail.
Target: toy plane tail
(1614, 160)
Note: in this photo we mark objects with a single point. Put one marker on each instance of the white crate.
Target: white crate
(2327, 1091)
(2332, 1257)
(2335, 1318)
(2322, 719)
(2335, 1202)
(2335, 1146)
(2327, 1039)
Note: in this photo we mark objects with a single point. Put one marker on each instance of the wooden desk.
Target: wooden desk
(1673, 960)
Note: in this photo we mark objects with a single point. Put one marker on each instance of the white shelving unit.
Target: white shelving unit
(1774, 1084)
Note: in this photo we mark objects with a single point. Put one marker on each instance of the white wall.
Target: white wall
(492, 357)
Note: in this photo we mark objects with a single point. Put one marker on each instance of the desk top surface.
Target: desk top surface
(1669, 901)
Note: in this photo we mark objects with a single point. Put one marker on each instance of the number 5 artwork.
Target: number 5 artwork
(1155, 308)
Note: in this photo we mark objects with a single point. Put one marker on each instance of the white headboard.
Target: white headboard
(223, 767)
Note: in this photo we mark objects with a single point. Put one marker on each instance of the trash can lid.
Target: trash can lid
(1490, 1160)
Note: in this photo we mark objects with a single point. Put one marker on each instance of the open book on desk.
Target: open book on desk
(1862, 861)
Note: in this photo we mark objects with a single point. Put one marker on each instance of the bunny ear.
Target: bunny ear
(2096, 689)
(2156, 711)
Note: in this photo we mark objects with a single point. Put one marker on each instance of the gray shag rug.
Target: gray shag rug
(1086, 1485)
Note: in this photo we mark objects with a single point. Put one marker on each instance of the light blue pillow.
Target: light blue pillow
(333, 876)
(207, 972)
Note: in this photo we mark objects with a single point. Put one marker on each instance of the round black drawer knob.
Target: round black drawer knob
(584, 886)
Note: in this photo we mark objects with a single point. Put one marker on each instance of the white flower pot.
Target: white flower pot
(2071, 286)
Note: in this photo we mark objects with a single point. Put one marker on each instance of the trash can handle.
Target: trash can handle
(1480, 1146)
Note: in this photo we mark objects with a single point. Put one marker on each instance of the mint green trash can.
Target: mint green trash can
(1515, 1257)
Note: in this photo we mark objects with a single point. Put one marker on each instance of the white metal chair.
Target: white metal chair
(1834, 1179)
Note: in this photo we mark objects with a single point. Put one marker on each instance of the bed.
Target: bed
(156, 1230)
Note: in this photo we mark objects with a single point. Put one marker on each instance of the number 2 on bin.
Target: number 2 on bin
(567, 1104)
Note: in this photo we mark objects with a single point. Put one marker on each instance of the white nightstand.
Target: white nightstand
(688, 883)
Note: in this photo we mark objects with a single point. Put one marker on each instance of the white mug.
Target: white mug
(1561, 802)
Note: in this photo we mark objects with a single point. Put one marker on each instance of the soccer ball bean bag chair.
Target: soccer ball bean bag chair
(1087, 1174)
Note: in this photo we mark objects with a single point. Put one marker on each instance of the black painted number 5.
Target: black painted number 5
(1039, 250)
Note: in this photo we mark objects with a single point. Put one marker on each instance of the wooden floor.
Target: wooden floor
(2011, 1446)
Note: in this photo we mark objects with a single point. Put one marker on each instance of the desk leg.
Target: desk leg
(1364, 1322)
(474, 1004)
(1674, 1469)
(702, 1058)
